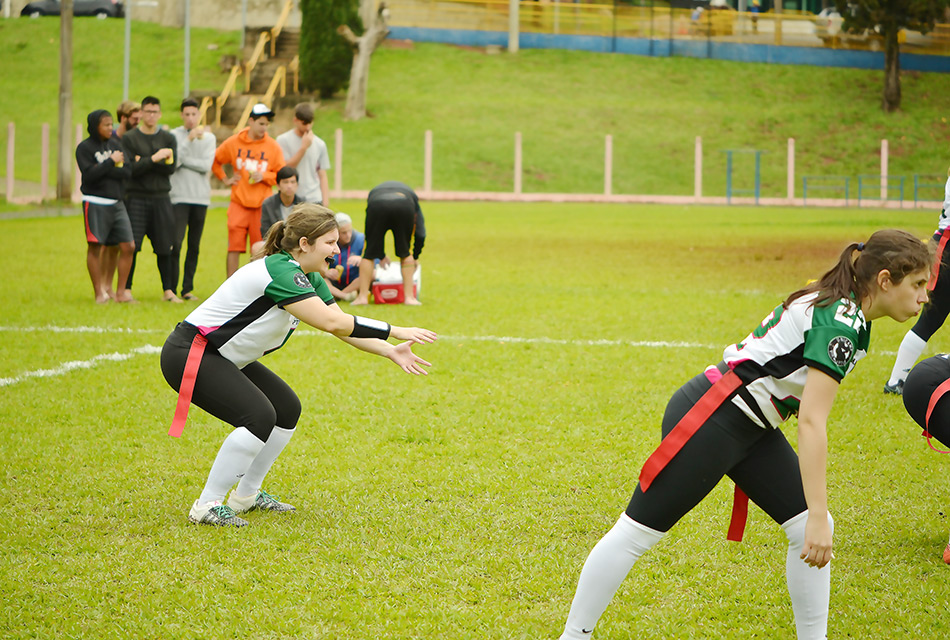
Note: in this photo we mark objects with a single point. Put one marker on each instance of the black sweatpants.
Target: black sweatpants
(760, 461)
(253, 397)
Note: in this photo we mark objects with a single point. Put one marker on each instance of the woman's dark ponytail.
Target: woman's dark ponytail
(899, 252)
(272, 240)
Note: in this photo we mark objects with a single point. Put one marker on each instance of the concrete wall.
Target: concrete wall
(815, 56)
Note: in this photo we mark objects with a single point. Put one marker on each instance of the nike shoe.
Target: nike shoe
(263, 501)
(897, 389)
(216, 514)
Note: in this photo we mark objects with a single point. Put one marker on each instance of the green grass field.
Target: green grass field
(463, 504)
(562, 102)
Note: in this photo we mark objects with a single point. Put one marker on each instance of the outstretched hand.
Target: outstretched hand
(413, 334)
(409, 362)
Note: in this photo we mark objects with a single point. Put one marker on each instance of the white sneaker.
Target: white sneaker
(263, 501)
(215, 513)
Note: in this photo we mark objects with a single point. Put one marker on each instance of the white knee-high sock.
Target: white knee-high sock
(809, 587)
(911, 347)
(606, 567)
(251, 482)
(235, 456)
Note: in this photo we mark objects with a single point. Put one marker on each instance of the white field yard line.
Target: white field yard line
(73, 365)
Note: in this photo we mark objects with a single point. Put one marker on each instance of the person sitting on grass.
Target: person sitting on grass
(278, 206)
(726, 420)
(344, 275)
(211, 358)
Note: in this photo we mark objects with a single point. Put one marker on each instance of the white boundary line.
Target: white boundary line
(72, 365)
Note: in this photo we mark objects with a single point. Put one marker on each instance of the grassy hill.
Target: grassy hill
(562, 102)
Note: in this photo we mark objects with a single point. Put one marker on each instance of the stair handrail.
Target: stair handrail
(242, 121)
(278, 81)
(226, 93)
(279, 26)
(203, 109)
(255, 58)
(295, 67)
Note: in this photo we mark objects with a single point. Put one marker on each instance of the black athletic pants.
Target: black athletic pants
(920, 384)
(190, 218)
(153, 217)
(935, 312)
(760, 461)
(253, 397)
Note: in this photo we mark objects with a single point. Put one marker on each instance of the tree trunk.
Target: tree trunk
(892, 71)
(64, 170)
(363, 48)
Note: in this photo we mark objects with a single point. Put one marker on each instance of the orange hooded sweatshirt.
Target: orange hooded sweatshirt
(245, 156)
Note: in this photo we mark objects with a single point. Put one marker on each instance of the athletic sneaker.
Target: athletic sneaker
(263, 501)
(897, 389)
(215, 513)
(946, 554)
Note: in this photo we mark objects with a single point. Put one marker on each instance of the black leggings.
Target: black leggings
(253, 397)
(760, 461)
(935, 312)
(920, 384)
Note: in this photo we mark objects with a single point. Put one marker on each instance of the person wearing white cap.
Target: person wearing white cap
(255, 159)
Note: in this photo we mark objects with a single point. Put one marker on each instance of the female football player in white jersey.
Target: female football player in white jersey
(725, 422)
(935, 313)
(211, 357)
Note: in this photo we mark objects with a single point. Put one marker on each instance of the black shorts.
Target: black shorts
(919, 386)
(253, 397)
(760, 461)
(155, 218)
(106, 223)
(389, 210)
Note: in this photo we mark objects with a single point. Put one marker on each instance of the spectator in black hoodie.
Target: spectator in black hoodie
(104, 173)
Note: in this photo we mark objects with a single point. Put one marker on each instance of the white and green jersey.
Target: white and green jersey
(245, 318)
(773, 360)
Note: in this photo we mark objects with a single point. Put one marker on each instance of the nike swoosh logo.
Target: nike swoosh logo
(587, 630)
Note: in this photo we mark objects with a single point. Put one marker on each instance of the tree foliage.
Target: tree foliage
(325, 57)
(887, 18)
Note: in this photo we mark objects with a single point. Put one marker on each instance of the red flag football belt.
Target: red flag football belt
(938, 259)
(938, 393)
(187, 385)
(718, 393)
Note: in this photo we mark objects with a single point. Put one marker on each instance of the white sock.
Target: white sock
(251, 482)
(235, 456)
(809, 587)
(606, 567)
(911, 347)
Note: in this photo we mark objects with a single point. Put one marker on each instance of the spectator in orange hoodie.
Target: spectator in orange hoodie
(255, 159)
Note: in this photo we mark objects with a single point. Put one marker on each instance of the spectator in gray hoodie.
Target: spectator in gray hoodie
(190, 192)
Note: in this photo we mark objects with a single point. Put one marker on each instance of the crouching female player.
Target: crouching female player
(927, 402)
(725, 422)
(211, 357)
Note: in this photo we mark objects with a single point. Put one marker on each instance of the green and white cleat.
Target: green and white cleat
(262, 501)
(215, 514)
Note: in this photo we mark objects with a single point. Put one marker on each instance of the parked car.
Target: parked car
(102, 9)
